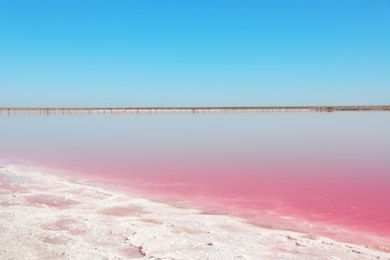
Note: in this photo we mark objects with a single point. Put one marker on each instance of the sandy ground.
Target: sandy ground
(43, 216)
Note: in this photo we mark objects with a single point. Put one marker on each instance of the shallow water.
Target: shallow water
(320, 168)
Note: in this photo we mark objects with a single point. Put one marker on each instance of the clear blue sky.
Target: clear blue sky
(194, 53)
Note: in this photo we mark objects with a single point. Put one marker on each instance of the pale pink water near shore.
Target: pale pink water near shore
(323, 169)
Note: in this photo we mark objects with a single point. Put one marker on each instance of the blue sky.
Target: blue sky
(194, 53)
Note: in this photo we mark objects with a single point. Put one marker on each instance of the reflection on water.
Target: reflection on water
(331, 168)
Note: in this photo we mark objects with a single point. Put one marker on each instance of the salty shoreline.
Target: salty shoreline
(47, 216)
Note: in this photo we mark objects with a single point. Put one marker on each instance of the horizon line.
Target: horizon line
(122, 110)
(163, 107)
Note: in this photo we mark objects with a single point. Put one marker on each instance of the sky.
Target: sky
(95, 53)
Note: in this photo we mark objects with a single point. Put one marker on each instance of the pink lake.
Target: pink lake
(321, 173)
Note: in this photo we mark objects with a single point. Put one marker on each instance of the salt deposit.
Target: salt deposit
(45, 216)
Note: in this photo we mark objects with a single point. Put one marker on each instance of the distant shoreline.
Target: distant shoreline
(122, 110)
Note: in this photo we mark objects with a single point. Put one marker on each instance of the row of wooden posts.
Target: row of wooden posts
(49, 111)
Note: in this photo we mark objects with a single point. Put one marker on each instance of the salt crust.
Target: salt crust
(45, 216)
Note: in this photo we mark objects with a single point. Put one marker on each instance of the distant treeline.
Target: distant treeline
(123, 110)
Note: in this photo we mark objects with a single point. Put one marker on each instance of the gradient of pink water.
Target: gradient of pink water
(332, 169)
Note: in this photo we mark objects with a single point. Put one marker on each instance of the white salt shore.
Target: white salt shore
(44, 216)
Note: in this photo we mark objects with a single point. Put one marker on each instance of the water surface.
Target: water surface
(301, 171)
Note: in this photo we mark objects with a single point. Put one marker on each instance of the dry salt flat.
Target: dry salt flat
(46, 216)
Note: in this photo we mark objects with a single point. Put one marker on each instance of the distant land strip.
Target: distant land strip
(124, 110)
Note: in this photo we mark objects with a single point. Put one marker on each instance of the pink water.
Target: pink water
(326, 173)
